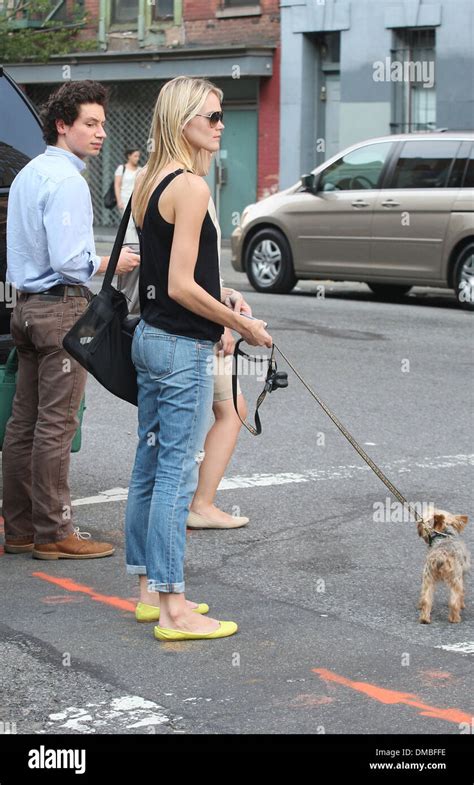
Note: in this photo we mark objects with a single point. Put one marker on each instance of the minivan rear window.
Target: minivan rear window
(469, 175)
(424, 164)
(456, 175)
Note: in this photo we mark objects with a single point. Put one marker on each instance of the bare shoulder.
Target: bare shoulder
(191, 188)
(185, 199)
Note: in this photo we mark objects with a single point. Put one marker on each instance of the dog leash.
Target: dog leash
(273, 380)
(276, 379)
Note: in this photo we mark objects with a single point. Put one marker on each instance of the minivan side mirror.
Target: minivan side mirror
(310, 182)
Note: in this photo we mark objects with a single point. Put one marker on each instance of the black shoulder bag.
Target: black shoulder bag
(101, 339)
(110, 200)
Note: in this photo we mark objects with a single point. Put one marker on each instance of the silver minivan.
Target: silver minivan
(394, 211)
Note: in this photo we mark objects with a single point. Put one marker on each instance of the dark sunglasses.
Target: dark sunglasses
(213, 118)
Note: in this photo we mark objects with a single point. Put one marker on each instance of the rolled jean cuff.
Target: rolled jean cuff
(166, 588)
(133, 569)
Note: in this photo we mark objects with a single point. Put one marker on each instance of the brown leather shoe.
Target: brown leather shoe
(18, 546)
(78, 545)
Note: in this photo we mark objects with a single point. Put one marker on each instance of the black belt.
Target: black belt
(70, 290)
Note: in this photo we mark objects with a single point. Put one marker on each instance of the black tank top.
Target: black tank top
(157, 308)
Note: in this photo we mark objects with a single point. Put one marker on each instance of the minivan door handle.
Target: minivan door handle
(390, 203)
(360, 203)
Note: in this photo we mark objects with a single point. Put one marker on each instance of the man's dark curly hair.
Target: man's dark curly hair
(64, 104)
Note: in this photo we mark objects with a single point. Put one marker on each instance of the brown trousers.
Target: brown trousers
(39, 434)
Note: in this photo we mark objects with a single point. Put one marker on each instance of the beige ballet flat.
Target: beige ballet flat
(196, 521)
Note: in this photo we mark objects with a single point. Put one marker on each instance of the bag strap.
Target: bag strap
(114, 256)
(110, 272)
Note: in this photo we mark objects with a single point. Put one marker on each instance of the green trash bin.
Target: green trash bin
(7, 393)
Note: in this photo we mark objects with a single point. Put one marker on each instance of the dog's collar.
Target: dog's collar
(433, 537)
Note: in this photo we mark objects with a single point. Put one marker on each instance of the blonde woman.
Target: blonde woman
(173, 348)
(222, 437)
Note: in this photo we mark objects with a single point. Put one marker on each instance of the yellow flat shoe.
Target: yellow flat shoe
(225, 628)
(144, 612)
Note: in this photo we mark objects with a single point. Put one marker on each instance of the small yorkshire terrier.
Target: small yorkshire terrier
(447, 560)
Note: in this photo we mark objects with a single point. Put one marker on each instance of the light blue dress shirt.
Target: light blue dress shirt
(49, 224)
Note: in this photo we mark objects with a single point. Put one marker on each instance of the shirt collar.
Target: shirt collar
(51, 149)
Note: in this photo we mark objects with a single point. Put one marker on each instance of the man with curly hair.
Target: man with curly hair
(50, 258)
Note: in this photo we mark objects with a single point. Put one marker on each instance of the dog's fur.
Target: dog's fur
(447, 560)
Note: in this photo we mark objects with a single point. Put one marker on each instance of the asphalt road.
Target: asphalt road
(324, 593)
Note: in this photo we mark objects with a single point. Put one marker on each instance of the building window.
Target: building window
(238, 3)
(27, 16)
(329, 45)
(414, 87)
(124, 11)
(162, 9)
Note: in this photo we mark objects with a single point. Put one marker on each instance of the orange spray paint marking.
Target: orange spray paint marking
(438, 675)
(68, 585)
(393, 697)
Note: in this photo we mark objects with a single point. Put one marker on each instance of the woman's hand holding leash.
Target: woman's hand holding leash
(255, 334)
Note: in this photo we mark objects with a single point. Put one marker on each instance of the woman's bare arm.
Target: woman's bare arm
(190, 198)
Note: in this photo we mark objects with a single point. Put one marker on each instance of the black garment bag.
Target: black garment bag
(101, 339)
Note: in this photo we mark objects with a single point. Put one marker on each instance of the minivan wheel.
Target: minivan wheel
(268, 262)
(388, 292)
(464, 277)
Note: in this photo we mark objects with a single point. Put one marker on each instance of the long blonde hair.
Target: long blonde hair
(178, 102)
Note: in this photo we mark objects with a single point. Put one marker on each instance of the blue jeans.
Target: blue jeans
(175, 388)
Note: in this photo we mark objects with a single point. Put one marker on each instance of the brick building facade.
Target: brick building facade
(143, 43)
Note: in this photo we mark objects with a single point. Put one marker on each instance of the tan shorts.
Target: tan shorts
(223, 378)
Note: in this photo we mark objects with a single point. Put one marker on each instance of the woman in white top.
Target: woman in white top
(124, 183)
